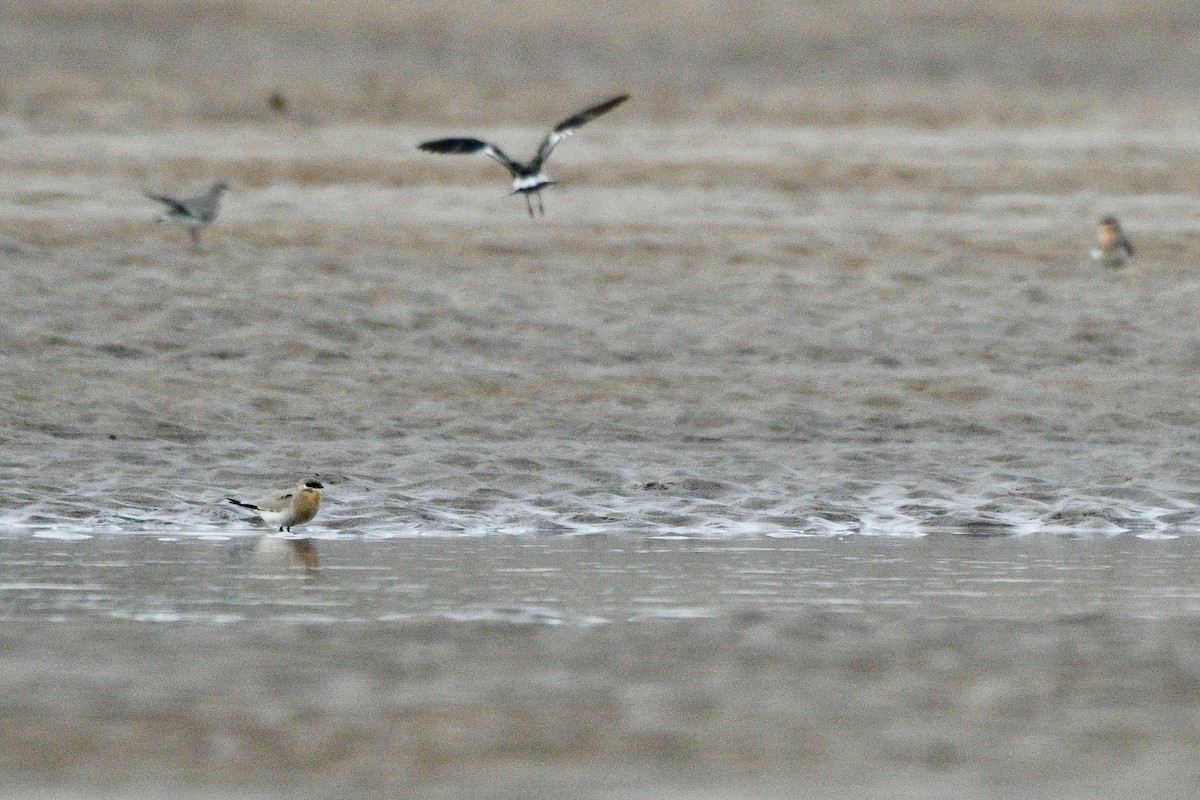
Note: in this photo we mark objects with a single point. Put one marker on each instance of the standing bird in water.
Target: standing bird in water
(528, 178)
(288, 507)
(1115, 248)
(194, 213)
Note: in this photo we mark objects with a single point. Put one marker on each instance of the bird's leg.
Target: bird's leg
(195, 234)
(541, 207)
(529, 204)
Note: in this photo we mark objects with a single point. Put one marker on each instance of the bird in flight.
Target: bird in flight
(528, 178)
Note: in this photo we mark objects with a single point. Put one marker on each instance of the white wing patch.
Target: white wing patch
(528, 182)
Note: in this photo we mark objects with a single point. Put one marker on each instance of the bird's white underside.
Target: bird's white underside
(527, 182)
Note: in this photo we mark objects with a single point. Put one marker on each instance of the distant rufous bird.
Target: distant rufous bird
(1115, 248)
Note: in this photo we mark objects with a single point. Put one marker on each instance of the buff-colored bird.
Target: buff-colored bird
(289, 507)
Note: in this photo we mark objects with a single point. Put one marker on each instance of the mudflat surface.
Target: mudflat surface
(731, 349)
(799, 450)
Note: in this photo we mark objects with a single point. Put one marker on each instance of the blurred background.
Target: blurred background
(122, 64)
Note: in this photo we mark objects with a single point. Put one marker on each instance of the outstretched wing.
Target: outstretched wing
(571, 124)
(453, 146)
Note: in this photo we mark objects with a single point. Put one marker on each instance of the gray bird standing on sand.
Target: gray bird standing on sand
(528, 178)
(194, 213)
(289, 507)
(1115, 248)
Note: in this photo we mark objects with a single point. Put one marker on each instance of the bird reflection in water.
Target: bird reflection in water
(275, 553)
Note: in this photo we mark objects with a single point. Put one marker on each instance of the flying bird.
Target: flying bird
(289, 507)
(1115, 248)
(528, 178)
(194, 213)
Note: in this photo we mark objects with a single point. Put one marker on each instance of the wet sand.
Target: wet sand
(699, 341)
(799, 450)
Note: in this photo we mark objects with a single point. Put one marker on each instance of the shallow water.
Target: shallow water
(598, 666)
(775, 461)
(584, 581)
(712, 483)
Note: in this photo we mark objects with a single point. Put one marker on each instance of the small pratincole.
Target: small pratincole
(1115, 248)
(528, 178)
(194, 213)
(289, 507)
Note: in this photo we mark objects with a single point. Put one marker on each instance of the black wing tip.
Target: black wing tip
(588, 114)
(607, 105)
(172, 203)
(456, 145)
(243, 505)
